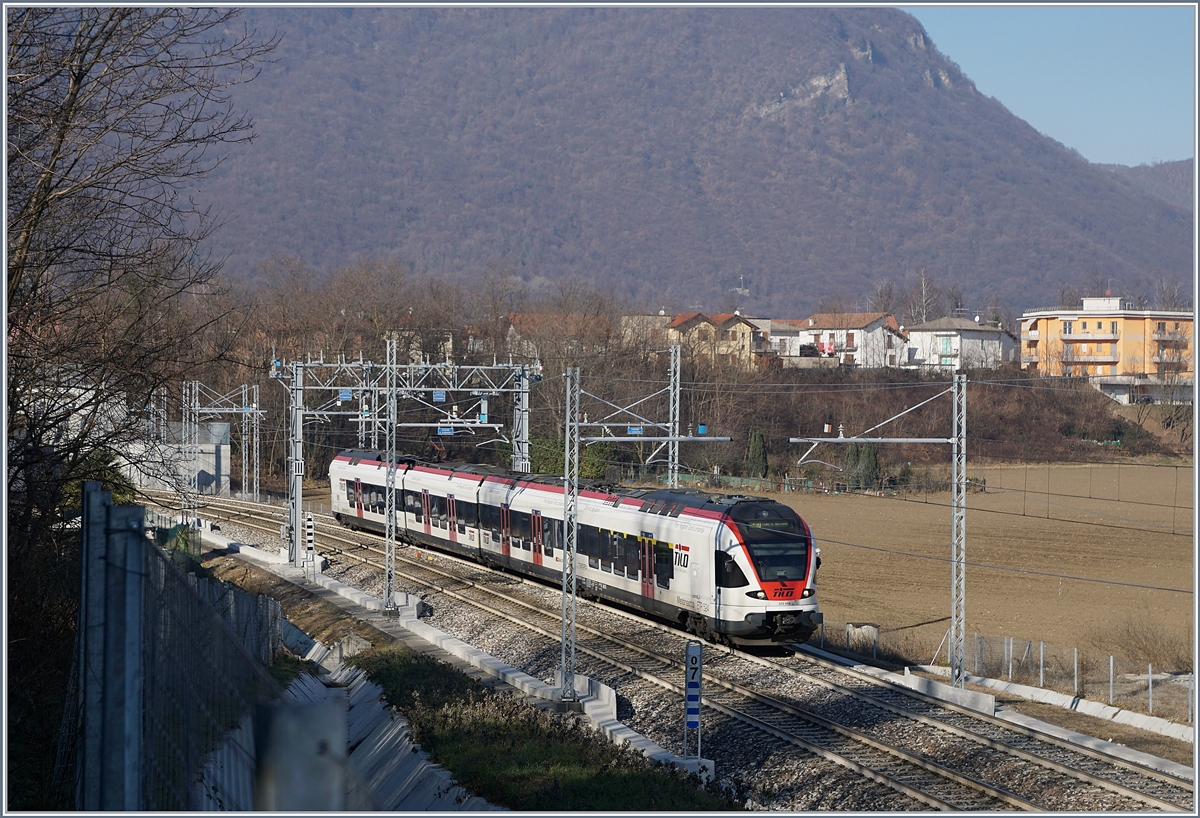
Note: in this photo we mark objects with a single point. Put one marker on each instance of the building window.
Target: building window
(1162, 326)
(1068, 327)
(945, 346)
(1084, 327)
(1113, 327)
(850, 338)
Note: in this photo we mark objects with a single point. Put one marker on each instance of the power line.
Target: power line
(1009, 570)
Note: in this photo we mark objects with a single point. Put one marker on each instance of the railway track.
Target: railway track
(928, 753)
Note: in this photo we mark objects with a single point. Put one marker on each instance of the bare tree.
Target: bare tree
(884, 297)
(924, 300)
(1170, 294)
(113, 115)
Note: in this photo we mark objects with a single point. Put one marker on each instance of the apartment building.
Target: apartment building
(1129, 354)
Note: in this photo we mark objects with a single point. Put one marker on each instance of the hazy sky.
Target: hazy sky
(1116, 84)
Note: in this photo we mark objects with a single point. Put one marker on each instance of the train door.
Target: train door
(505, 532)
(535, 525)
(452, 517)
(358, 503)
(646, 563)
(426, 511)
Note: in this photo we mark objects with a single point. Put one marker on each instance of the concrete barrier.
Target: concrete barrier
(980, 702)
(1183, 732)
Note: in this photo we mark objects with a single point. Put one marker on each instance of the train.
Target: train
(735, 569)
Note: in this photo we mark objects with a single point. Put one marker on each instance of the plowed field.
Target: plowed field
(886, 560)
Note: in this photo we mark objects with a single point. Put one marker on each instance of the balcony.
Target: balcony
(1098, 358)
(1097, 336)
(1026, 360)
(1031, 334)
(1176, 337)
(1173, 356)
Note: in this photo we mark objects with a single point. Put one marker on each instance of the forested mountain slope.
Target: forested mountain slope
(669, 155)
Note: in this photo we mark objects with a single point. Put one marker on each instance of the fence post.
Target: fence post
(1076, 671)
(1150, 686)
(1191, 684)
(1041, 664)
(1010, 657)
(1110, 679)
(111, 676)
(124, 669)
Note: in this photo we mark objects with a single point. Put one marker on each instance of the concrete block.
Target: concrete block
(975, 700)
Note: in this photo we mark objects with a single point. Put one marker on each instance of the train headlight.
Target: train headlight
(807, 592)
(757, 594)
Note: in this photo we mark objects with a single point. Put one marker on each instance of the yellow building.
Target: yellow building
(1128, 354)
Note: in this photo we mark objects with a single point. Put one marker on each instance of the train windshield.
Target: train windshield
(776, 539)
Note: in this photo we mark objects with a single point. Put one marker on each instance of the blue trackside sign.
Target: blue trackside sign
(695, 670)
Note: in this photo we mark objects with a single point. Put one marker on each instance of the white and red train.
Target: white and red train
(732, 568)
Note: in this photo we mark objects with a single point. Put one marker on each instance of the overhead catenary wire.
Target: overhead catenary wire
(1007, 568)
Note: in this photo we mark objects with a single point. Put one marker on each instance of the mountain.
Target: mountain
(1169, 181)
(669, 155)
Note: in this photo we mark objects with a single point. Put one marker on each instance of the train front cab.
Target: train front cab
(765, 575)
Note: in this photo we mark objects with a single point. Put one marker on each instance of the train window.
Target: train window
(519, 527)
(466, 515)
(350, 493)
(437, 510)
(664, 563)
(412, 504)
(729, 575)
(589, 544)
(606, 550)
(630, 555)
(489, 516)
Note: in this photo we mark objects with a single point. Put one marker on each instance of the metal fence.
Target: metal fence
(1165, 690)
(166, 685)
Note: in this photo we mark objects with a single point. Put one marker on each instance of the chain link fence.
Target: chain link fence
(170, 669)
(202, 683)
(1162, 685)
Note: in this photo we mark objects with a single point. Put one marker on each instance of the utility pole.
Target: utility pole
(570, 533)
(958, 440)
(958, 579)
(520, 444)
(295, 463)
(673, 445)
(389, 602)
(190, 454)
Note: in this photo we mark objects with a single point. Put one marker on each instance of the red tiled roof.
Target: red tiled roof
(848, 320)
(683, 318)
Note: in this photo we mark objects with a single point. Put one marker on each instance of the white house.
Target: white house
(958, 343)
(865, 339)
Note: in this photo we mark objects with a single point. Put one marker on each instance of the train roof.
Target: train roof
(688, 498)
